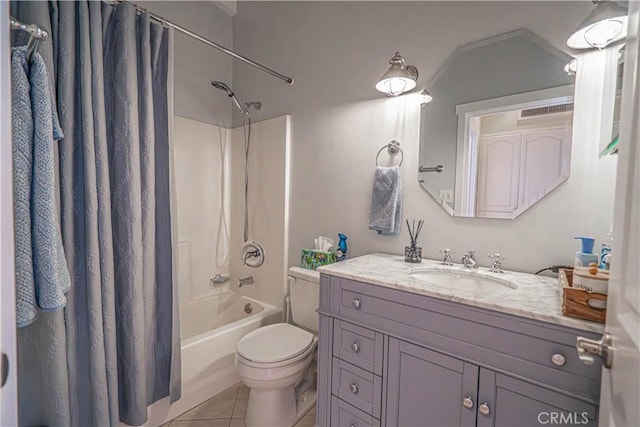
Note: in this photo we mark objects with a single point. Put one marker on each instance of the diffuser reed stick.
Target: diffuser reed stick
(414, 231)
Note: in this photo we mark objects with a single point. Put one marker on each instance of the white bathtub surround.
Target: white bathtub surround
(208, 356)
(202, 160)
(268, 207)
(536, 297)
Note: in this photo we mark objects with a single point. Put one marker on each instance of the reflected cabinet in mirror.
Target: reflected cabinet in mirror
(499, 124)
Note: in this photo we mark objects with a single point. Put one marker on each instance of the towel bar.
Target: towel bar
(392, 148)
(438, 169)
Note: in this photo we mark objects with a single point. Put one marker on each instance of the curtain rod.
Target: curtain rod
(221, 48)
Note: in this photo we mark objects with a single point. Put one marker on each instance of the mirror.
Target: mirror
(496, 138)
(610, 146)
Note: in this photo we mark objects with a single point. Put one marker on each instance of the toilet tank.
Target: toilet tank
(304, 289)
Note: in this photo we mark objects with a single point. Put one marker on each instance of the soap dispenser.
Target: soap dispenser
(342, 247)
(585, 255)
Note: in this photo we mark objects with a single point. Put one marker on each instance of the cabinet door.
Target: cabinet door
(498, 175)
(506, 401)
(426, 388)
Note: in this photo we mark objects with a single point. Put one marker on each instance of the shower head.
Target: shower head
(227, 89)
(243, 109)
(222, 86)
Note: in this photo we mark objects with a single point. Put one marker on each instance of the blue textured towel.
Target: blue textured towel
(386, 201)
(42, 276)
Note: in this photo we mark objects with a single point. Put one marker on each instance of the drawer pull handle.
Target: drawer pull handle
(484, 409)
(467, 402)
(354, 388)
(558, 359)
(356, 303)
(355, 347)
(353, 425)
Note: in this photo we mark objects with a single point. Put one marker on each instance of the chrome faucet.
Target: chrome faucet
(496, 267)
(244, 281)
(469, 260)
(447, 257)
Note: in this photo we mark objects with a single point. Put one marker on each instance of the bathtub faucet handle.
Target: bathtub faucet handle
(244, 281)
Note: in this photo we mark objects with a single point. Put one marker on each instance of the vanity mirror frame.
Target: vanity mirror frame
(539, 78)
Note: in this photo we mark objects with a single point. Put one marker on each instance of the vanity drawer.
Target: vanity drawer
(345, 415)
(356, 386)
(357, 345)
(500, 341)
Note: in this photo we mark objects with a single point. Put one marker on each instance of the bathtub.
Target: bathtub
(210, 329)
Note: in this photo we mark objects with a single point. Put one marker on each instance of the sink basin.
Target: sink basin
(461, 279)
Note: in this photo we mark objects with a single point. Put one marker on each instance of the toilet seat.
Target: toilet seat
(277, 344)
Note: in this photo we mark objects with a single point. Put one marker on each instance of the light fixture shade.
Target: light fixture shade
(607, 23)
(399, 78)
(426, 96)
(572, 67)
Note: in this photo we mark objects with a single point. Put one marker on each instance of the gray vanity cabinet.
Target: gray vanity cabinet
(424, 388)
(393, 358)
(513, 402)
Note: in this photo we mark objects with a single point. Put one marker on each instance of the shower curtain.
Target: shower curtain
(115, 349)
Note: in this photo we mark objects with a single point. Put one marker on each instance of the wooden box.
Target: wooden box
(579, 303)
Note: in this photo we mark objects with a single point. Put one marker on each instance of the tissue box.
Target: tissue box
(312, 259)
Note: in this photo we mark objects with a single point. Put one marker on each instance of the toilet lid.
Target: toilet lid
(274, 343)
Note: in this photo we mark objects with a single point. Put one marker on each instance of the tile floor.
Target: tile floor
(227, 410)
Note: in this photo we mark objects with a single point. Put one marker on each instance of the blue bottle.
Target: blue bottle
(585, 256)
(342, 247)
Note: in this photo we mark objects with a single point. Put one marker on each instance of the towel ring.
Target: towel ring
(392, 148)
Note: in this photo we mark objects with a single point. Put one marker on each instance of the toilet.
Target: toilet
(277, 361)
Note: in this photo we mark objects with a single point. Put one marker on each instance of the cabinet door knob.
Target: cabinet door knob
(467, 402)
(558, 359)
(353, 425)
(484, 409)
(356, 303)
(354, 388)
(355, 347)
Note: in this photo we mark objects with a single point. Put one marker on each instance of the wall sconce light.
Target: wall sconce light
(572, 67)
(426, 97)
(607, 23)
(399, 78)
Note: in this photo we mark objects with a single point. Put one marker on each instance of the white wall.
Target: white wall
(197, 64)
(268, 207)
(337, 51)
(201, 154)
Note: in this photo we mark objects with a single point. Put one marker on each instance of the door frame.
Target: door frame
(8, 393)
(620, 389)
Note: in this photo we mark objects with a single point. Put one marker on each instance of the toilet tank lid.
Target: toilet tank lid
(274, 343)
(305, 274)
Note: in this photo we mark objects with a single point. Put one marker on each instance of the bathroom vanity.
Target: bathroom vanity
(399, 348)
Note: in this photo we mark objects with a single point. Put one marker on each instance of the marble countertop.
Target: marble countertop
(537, 297)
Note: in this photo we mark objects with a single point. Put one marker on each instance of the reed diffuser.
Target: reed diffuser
(413, 253)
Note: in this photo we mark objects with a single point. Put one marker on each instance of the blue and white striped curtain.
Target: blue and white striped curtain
(115, 349)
